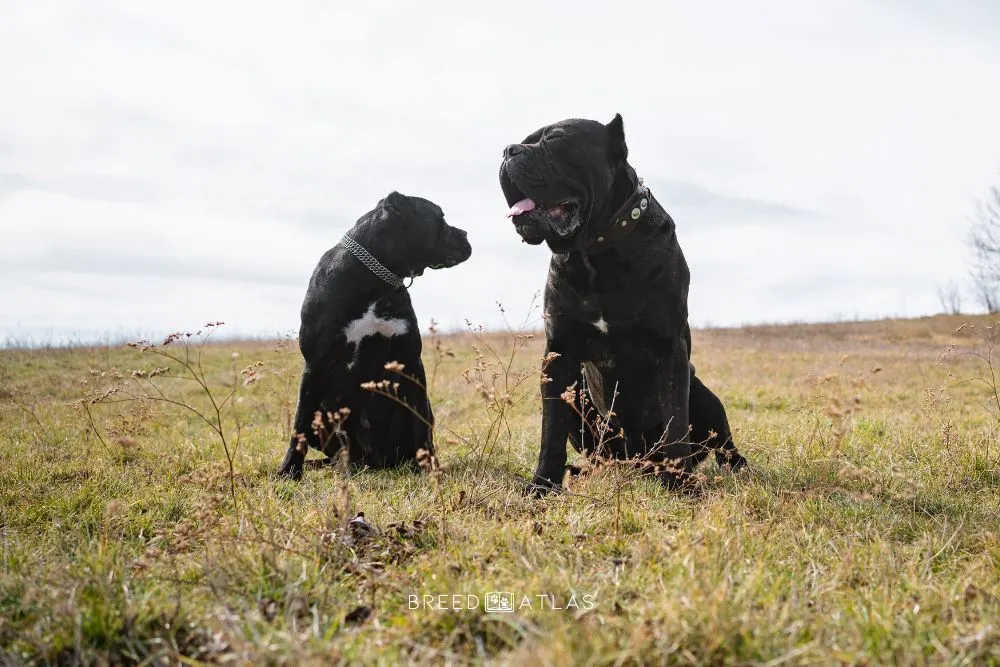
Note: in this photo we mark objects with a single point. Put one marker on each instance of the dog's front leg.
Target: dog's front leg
(558, 417)
(673, 389)
(413, 421)
(424, 425)
(305, 411)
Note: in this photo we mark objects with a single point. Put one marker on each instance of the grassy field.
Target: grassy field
(867, 531)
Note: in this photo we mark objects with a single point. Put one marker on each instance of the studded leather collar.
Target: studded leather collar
(625, 219)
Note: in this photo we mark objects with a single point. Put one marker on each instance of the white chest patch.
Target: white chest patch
(371, 324)
(601, 325)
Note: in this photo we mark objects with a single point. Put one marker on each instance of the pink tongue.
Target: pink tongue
(523, 206)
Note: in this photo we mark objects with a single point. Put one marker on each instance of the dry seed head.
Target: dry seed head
(425, 460)
(375, 386)
(171, 338)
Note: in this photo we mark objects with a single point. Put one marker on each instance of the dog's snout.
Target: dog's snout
(512, 150)
(457, 237)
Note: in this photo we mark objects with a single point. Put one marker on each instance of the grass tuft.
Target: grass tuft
(867, 532)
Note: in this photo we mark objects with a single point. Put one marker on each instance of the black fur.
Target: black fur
(406, 235)
(577, 174)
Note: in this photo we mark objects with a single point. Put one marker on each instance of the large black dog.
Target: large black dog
(615, 305)
(356, 318)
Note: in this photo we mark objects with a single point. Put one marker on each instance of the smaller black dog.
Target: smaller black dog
(356, 318)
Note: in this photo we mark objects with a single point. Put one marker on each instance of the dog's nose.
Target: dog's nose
(512, 150)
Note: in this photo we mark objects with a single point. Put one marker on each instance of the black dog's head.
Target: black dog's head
(562, 177)
(411, 235)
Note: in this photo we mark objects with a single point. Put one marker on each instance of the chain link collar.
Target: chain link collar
(369, 261)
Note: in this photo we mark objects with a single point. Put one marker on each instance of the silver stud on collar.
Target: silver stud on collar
(635, 214)
(624, 223)
(600, 239)
(643, 204)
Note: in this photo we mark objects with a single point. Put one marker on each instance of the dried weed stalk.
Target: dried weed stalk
(988, 339)
(182, 352)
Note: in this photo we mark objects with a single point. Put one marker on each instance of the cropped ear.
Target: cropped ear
(616, 138)
(394, 202)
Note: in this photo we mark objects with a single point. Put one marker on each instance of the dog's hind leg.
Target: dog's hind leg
(588, 439)
(673, 447)
(411, 419)
(710, 428)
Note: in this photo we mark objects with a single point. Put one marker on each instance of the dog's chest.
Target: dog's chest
(609, 298)
(372, 324)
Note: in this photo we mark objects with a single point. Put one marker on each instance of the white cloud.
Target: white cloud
(161, 164)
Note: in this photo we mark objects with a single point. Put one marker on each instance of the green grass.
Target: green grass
(867, 531)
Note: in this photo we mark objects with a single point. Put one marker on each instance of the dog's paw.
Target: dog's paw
(539, 487)
(291, 468)
(293, 473)
(316, 464)
(734, 461)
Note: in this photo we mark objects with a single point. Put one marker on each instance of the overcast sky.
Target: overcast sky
(163, 164)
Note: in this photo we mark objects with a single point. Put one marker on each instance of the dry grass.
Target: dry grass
(867, 531)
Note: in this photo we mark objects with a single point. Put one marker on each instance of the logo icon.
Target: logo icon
(497, 601)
